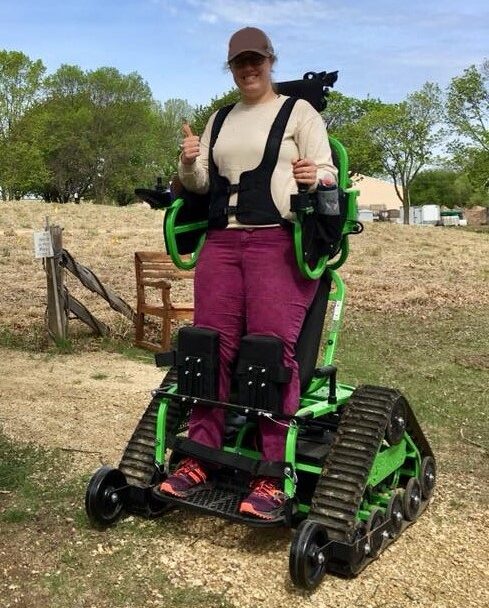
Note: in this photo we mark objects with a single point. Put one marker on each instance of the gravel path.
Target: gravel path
(91, 402)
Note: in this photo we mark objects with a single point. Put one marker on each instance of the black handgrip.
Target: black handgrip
(328, 371)
(300, 202)
(156, 198)
(325, 372)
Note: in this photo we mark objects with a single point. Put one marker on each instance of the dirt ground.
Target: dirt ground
(88, 403)
(449, 266)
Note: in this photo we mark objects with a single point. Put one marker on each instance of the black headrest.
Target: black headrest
(314, 88)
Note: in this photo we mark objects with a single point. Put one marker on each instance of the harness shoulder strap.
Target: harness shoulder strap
(276, 134)
(218, 122)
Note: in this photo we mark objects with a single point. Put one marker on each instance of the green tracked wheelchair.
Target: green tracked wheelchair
(357, 468)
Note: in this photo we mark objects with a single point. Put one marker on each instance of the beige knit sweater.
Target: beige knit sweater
(241, 143)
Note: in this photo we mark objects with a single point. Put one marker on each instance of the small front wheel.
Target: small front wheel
(308, 557)
(103, 501)
(427, 477)
(395, 513)
(396, 424)
(375, 539)
(412, 499)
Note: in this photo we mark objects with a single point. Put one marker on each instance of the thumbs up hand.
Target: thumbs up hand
(190, 145)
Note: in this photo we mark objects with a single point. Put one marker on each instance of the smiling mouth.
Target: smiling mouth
(249, 78)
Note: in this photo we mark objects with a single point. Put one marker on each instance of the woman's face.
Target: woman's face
(252, 75)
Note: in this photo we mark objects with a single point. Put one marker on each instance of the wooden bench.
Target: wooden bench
(155, 270)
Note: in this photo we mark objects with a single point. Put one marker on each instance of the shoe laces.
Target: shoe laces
(189, 464)
(265, 487)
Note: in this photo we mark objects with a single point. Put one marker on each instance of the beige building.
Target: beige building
(376, 194)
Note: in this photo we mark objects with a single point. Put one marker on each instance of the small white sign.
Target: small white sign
(337, 310)
(43, 247)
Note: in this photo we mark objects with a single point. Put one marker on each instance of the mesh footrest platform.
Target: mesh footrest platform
(223, 502)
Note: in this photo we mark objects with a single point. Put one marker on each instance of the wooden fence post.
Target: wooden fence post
(57, 320)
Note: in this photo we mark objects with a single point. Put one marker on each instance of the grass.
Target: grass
(35, 339)
(484, 229)
(43, 527)
(99, 376)
(16, 465)
(440, 363)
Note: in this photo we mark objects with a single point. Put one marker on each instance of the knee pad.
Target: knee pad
(197, 362)
(261, 373)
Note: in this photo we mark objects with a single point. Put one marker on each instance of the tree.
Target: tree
(344, 119)
(168, 120)
(20, 89)
(22, 165)
(406, 134)
(203, 113)
(441, 187)
(93, 129)
(467, 112)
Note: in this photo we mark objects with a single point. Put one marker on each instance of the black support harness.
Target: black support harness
(255, 204)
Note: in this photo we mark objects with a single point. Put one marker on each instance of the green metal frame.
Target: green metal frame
(313, 403)
(172, 229)
(391, 462)
(350, 223)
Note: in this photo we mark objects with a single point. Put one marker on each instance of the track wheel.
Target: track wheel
(103, 502)
(307, 561)
(395, 513)
(396, 425)
(375, 541)
(412, 499)
(427, 477)
(358, 560)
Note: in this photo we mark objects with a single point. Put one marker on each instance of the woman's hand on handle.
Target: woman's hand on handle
(190, 145)
(305, 171)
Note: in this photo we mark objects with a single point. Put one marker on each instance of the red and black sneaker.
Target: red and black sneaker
(266, 501)
(189, 477)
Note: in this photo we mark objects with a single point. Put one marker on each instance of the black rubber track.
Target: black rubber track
(137, 462)
(341, 486)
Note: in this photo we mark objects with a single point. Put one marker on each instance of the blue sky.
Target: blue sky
(381, 48)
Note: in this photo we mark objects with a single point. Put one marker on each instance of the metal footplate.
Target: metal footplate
(222, 497)
(343, 481)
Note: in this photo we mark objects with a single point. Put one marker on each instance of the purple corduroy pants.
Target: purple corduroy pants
(247, 282)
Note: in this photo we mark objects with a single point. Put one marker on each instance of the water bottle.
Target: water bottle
(327, 198)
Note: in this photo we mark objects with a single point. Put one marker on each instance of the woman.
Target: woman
(247, 279)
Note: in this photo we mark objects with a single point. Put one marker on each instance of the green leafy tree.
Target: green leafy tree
(20, 89)
(446, 187)
(122, 107)
(407, 134)
(344, 119)
(93, 129)
(167, 134)
(467, 112)
(203, 113)
(22, 164)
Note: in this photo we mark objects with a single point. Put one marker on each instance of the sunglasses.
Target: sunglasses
(253, 59)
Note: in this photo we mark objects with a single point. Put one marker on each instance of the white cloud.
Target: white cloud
(208, 18)
(274, 12)
(333, 13)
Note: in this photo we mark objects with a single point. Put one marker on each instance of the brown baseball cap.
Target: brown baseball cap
(251, 40)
